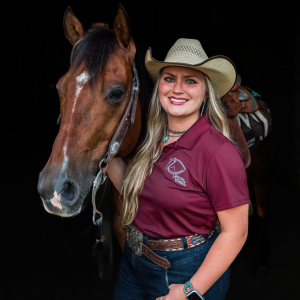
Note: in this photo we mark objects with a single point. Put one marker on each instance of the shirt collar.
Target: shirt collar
(189, 139)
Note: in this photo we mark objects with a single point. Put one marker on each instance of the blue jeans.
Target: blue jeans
(140, 278)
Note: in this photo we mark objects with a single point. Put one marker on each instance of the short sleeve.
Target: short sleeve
(226, 178)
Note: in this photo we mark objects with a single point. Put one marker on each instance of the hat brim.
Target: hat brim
(220, 70)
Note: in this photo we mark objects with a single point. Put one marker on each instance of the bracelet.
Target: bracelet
(191, 292)
(187, 285)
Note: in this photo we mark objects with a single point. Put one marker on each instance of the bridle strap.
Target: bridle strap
(115, 143)
(128, 117)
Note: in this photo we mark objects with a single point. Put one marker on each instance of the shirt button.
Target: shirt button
(165, 150)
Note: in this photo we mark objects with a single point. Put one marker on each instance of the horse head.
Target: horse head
(93, 96)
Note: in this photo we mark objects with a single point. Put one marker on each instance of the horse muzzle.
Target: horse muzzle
(60, 196)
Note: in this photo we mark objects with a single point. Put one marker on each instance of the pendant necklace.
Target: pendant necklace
(175, 132)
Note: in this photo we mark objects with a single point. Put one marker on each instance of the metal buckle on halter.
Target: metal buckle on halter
(135, 240)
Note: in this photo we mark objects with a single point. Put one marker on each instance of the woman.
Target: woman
(185, 176)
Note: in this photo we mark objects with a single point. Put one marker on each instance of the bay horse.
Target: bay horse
(94, 95)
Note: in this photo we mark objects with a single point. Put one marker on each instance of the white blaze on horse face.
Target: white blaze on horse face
(56, 200)
(66, 159)
(81, 80)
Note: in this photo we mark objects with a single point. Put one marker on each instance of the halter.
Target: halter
(115, 143)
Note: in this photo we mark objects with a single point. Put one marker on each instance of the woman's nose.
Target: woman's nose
(178, 87)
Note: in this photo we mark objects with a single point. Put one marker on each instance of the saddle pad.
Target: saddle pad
(256, 125)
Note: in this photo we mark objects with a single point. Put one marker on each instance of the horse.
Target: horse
(96, 95)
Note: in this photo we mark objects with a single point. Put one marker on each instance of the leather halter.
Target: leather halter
(115, 143)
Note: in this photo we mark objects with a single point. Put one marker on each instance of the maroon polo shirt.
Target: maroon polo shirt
(196, 176)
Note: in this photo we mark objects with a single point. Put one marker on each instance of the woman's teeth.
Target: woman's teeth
(177, 100)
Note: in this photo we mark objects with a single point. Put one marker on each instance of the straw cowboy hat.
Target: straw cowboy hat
(189, 53)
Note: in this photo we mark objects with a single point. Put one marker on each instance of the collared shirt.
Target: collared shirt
(196, 176)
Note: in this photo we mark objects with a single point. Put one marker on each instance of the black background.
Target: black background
(44, 257)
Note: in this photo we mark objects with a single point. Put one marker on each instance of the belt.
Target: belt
(177, 244)
(135, 242)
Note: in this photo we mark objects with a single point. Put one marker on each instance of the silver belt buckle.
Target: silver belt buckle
(135, 240)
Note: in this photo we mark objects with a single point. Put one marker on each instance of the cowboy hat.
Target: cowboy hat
(189, 53)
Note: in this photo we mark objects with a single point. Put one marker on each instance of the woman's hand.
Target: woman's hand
(176, 293)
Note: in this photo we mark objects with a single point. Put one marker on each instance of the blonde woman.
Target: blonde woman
(186, 175)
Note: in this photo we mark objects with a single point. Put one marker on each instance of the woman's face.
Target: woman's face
(181, 91)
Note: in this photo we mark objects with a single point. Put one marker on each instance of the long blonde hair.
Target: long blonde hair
(140, 167)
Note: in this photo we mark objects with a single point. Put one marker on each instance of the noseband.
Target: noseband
(115, 143)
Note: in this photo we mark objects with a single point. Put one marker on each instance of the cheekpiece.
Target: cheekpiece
(135, 240)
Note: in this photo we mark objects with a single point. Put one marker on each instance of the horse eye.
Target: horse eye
(116, 94)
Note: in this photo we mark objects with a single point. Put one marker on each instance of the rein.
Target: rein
(114, 145)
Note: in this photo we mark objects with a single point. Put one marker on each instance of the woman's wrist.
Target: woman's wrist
(191, 292)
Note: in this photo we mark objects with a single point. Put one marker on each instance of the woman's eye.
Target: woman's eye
(191, 81)
(169, 79)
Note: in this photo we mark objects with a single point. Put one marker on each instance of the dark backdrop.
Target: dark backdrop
(44, 256)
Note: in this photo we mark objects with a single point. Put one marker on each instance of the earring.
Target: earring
(159, 107)
(203, 105)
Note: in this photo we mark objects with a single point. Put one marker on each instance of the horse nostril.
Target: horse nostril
(68, 193)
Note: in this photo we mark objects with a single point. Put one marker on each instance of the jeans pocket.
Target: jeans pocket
(151, 276)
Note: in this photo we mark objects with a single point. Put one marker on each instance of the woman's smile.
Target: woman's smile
(177, 101)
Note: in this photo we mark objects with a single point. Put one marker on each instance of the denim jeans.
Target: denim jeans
(140, 278)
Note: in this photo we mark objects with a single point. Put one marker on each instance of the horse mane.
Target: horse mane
(94, 50)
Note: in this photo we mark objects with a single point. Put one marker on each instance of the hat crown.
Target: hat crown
(186, 51)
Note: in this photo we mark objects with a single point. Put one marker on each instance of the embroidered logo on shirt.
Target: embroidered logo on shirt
(176, 167)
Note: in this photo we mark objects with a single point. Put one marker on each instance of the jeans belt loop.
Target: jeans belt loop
(184, 243)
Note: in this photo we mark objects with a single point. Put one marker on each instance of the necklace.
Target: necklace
(175, 132)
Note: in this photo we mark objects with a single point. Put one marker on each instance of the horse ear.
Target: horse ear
(72, 27)
(122, 26)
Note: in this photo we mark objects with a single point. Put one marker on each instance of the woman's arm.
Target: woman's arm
(234, 224)
(116, 171)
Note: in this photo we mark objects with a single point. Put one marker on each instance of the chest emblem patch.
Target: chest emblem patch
(176, 167)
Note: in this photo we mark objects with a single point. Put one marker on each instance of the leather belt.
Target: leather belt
(135, 242)
(163, 262)
(177, 244)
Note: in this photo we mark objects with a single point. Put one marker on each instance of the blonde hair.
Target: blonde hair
(140, 167)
